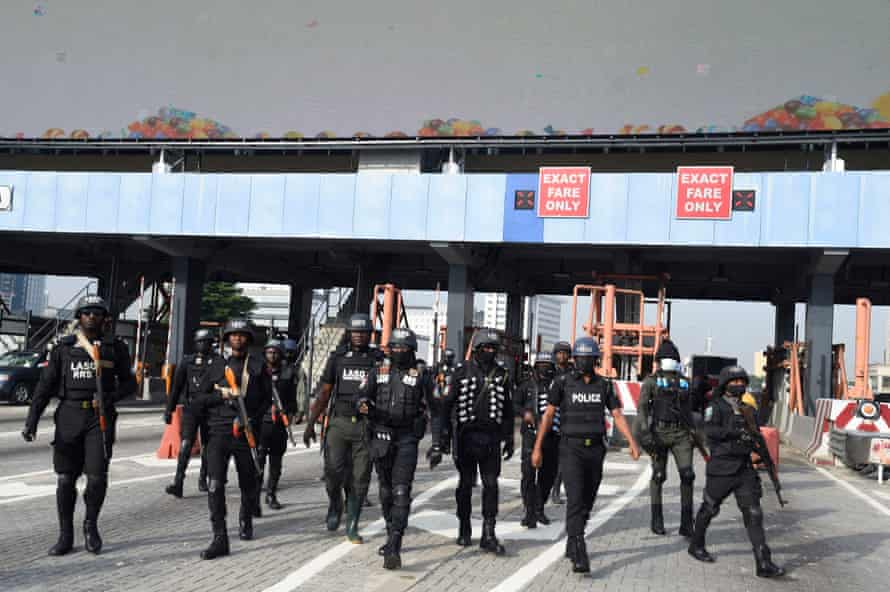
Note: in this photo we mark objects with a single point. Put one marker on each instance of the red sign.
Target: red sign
(704, 193)
(564, 192)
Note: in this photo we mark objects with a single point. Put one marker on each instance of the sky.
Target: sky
(737, 329)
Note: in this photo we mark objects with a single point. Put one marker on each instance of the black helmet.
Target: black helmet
(486, 336)
(543, 358)
(360, 321)
(274, 344)
(91, 301)
(403, 337)
(238, 326)
(586, 346)
(202, 335)
(563, 346)
(667, 350)
(290, 345)
(449, 355)
(730, 373)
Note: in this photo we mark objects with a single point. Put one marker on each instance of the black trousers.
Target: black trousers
(537, 483)
(395, 462)
(746, 487)
(272, 445)
(482, 450)
(581, 462)
(221, 448)
(189, 429)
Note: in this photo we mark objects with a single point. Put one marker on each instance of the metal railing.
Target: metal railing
(51, 328)
(324, 311)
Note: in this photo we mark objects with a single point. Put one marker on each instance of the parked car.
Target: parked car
(19, 373)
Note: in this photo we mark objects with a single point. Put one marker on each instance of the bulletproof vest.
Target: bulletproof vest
(352, 368)
(79, 370)
(583, 406)
(480, 398)
(671, 397)
(196, 367)
(542, 396)
(399, 396)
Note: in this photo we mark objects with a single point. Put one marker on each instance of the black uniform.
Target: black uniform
(79, 445)
(273, 433)
(557, 481)
(186, 387)
(582, 450)
(533, 395)
(220, 415)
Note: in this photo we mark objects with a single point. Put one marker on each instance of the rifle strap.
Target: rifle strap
(245, 376)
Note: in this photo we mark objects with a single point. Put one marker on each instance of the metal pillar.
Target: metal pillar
(819, 326)
(784, 326)
(299, 310)
(460, 306)
(513, 326)
(189, 275)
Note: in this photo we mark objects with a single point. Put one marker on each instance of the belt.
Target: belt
(586, 441)
(668, 424)
(345, 408)
(80, 404)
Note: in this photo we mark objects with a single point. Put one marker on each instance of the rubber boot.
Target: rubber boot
(91, 539)
(393, 559)
(580, 560)
(219, 546)
(353, 512)
(465, 533)
(66, 496)
(383, 548)
(530, 520)
(657, 524)
(764, 563)
(489, 542)
(335, 511)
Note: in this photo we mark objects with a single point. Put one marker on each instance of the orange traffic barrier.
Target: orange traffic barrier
(170, 441)
(771, 435)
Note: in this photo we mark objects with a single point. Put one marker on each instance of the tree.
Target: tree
(222, 301)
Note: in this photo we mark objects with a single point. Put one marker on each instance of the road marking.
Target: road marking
(129, 423)
(880, 494)
(849, 487)
(521, 578)
(308, 571)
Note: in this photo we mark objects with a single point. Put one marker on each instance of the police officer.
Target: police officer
(531, 403)
(480, 395)
(273, 436)
(562, 353)
(186, 382)
(582, 398)
(218, 405)
(398, 396)
(290, 358)
(730, 470)
(85, 428)
(443, 371)
(346, 459)
(664, 424)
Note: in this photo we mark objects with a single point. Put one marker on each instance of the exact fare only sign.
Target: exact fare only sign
(704, 192)
(564, 192)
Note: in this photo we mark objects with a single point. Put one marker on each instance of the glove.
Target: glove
(28, 434)
(435, 456)
(298, 419)
(168, 417)
(507, 453)
(309, 433)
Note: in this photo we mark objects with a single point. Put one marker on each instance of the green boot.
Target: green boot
(353, 512)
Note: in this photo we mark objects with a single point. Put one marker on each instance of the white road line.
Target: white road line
(882, 495)
(849, 487)
(134, 423)
(528, 572)
(308, 571)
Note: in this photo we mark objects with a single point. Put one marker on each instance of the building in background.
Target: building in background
(421, 321)
(546, 322)
(494, 313)
(272, 304)
(23, 293)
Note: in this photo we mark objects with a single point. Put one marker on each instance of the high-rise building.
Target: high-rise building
(546, 321)
(272, 303)
(23, 293)
(495, 311)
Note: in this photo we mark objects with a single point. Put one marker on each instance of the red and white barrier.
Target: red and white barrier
(841, 414)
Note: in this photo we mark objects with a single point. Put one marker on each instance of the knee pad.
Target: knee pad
(402, 495)
(754, 514)
(385, 493)
(98, 480)
(67, 480)
(687, 475)
(659, 476)
(216, 486)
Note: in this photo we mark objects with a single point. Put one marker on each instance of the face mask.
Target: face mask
(402, 359)
(669, 365)
(485, 358)
(736, 390)
(544, 373)
(585, 364)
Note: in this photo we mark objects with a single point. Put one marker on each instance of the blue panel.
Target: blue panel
(649, 208)
(521, 226)
(874, 210)
(135, 203)
(266, 205)
(744, 228)
(372, 197)
(786, 203)
(166, 203)
(40, 209)
(14, 219)
(233, 205)
(408, 207)
(834, 210)
(71, 202)
(199, 204)
(336, 205)
(564, 230)
(447, 208)
(301, 194)
(608, 209)
(103, 202)
(485, 212)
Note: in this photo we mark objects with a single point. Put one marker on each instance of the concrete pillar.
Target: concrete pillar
(513, 326)
(189, 274)
(819, 325)
(299, 310)
(784, 326)
(460, 306)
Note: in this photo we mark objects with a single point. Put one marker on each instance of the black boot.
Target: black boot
(697, 545)
(257, 505)
(465, 533)
(580, 560)
(382, 549)
(530, 520)
(272, 501)
(91, 539)
(570, 548)
(182, 463)
(392, 559)
(219, 546)
(657, 524)
(542, 517)
(489, 542)
(335, 511)
(764, 563)
(687, 526)
(66, 496)
(272, 488)
(353, 513)
(202, 476)
(245, 528)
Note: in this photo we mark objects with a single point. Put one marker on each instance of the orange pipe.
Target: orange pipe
(861, 388)
(608, 330)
